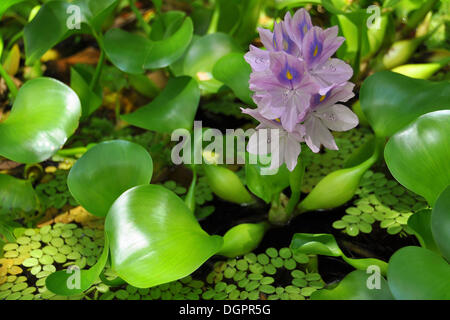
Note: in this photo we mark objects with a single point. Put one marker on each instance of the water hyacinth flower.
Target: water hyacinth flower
(297, 86)
(285, 150)
(325, 114)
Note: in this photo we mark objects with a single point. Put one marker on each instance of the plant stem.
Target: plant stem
(9, 81)
(98, 69)
(190, 197)
(214, 19)
(71, 152)
(296, 181)
(140, 18)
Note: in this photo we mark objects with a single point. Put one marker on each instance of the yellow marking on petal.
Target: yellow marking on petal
(305, 29)
(278, 120)
(285, 45)
(322, 98)
(274, 44)
(289, 75)
(315, 51)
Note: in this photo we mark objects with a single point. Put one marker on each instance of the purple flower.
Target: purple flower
(297, 86)
(298, 26)
(318, 46)
(285, 149)
(325, 114)
(284, 90)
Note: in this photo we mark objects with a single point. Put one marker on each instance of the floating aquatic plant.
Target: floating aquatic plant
(297, 87)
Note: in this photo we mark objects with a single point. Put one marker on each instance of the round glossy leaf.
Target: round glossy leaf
(420, 223)
(45, 113)
(57, 20)
(127, 51)
(47, 28)
(72, 281)
(419, 155)
(323, 244)
(390, 101)
(440, 223)
(16, 194)
(234, 71)
(355, 287)
(134, 54)
(107, 170)
(6, 4)
(170, 49)
(417, 273)
(266, 186)
(174, 108)
(203, 54)
(155, 238)
(90, 100)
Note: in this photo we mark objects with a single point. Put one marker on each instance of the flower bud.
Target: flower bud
(336, 188)
(243, 239)
(420, 70)
(226, 184)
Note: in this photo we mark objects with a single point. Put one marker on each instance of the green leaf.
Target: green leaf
(391, 101)
(325, 244)
(155, 238)
(266, 186)
(174, 108)
(419, 155)
(64, 282)
(234, 71)
(47, 28)
(170, 49)
(107, 170)
(57, 20)
(45, 113)
(6, 4)
(134, 54)
(420, 223)
(246, 31)
(16, 194)
(127, 51)
(90, 101)
(96, 12)
(242, 239)
(354, 287)
(373, 38)
(417, 273)
(440, 223)
(203, 54)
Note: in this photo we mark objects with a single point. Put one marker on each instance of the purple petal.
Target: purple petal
(317, 134)
(288, 69)
(266, 37)
(319, 45)
(339, 93)
(266, 123)
(312, 46)
(331, 43)
(338, 118)
(258, 59)
(292, 150)
(332, 72)
(298, 26)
